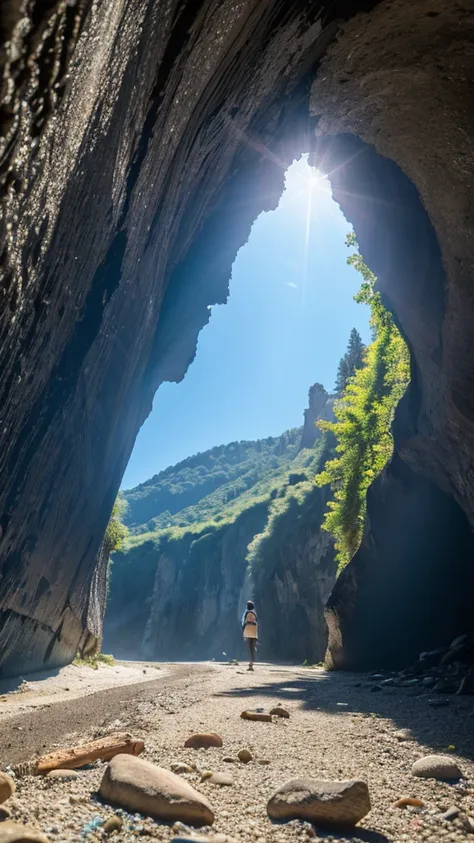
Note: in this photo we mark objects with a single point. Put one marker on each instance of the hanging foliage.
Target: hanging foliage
(364, 415)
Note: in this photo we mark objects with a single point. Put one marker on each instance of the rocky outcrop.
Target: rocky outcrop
(317, 402)
(408, 589)
(402, 94)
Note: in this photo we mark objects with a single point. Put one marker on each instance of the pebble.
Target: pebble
(245, 756)
(113, 824)
(436, 767)
(66, 775)
(278, 711)
(179, 768)
(222, 779)
(450, 814)
(409, 801)
(402, 735)
(7, 787)
(203, 740)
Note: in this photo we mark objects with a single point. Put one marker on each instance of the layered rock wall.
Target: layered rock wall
(293, 583)
(183, 599)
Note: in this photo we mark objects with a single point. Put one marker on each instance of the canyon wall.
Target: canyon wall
(292, 578)
(183, 598)
(139, 143)
(403, 93)
(179, 592)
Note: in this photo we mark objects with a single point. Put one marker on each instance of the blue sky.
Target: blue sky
(286, 325)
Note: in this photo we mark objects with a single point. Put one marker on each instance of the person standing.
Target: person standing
(250, 630)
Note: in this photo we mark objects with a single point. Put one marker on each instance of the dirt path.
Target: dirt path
(339, 728)
(36, 690)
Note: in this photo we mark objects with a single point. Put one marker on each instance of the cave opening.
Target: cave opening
(285, 324)
(285, 328)
(395, 233)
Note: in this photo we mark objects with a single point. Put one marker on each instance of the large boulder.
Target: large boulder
(334, 804)
(139, 786)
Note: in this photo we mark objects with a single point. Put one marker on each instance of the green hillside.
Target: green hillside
(213, 486)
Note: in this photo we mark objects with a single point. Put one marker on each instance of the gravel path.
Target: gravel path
(338, 728)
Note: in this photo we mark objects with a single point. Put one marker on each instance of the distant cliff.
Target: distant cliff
(179, 587)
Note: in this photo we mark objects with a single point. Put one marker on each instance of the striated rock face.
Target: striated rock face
(403, 89)
(183, 600)
(140, 142)
(199, 592)
(293, 582)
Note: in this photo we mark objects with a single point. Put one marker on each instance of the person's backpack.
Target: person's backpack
(250, 618)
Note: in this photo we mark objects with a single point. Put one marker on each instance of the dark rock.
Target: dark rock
(366, 623)
(279, 711)
(428, 660)
(460, 641)
(203, 740)
(446, 686)
(451, 813)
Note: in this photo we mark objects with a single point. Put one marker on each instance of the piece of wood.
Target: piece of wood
(79, 756)
(256, 715)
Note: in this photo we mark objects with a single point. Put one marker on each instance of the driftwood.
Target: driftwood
(256, 715)
(79, 756)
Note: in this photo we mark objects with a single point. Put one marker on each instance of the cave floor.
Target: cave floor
(338, 728)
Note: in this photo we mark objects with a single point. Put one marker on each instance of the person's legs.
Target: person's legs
(251, 645)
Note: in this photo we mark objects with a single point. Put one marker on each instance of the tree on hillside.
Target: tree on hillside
(116, 531)
(352, 360)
